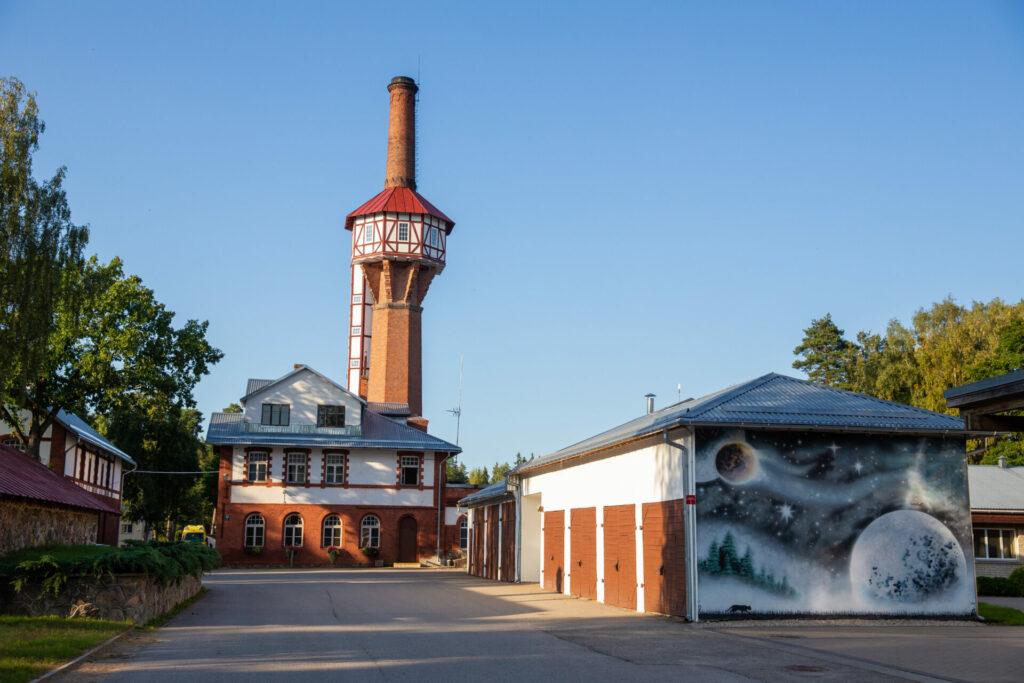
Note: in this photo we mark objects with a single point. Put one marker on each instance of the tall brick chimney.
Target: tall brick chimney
(401, 171)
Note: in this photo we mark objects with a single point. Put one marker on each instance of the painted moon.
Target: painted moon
(736, 462)
(906, 556)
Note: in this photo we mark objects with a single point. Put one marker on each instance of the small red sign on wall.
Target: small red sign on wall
(691, 499)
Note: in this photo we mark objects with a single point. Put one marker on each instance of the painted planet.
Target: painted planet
(906, 556)
(736, 462)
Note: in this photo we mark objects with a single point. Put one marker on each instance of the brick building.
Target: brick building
(76, 451)
(312, 464)
(775, 496)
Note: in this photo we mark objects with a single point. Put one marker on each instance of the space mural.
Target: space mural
(812, 523)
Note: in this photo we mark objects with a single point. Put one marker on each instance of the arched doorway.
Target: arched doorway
(407, 531)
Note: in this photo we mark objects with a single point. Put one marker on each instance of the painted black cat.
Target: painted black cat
(739, 608)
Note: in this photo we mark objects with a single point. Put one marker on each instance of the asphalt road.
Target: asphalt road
(278, 625)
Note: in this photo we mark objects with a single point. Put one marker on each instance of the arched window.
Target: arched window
(292, 530)
(463, 534)
(332, 531)
(254, 530)
(370, 532)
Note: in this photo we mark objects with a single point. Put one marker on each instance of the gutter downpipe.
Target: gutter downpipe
(689, 520)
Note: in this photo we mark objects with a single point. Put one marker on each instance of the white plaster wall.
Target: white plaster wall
(373, 468)
(647, 475)
(304, 391)
(314, 495)
(451, 516)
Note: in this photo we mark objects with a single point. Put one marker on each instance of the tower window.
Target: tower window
(357, 298)
(403, 232)
(368, 233)
(276, 414)
(433, 237)
(353, 363)
(356, 331)
(330, 416)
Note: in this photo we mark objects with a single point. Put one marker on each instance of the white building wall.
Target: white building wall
(304, 391)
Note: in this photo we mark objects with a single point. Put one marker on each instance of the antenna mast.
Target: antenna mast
(457, 410)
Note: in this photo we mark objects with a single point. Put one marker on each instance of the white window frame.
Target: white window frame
(334, 468)
(368, 233)
(403, 225)
(292, 530)
(998, 532)
(463, 534)
(15, 444)
(357, 298)
(353, 362)
(296, 465)
(331, 532)
(256, 461)
(406, 462)
(369, 532)
(255, 531)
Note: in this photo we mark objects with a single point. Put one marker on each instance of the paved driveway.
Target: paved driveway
(441, 625)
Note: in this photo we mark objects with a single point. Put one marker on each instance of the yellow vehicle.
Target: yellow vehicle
(194, 532)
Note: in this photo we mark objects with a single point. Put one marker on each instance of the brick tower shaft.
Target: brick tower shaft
(401, 171)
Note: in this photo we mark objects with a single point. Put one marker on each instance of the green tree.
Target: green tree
(746, 565)
(479, 476)
(1007, 356)
(457, 473)
(712, 564)
(499, 472)
(234, 408)
(826, 354)
(727, 557)
(40, 258)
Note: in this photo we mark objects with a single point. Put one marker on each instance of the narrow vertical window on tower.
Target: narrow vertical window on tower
(367, 233)
(403, 232)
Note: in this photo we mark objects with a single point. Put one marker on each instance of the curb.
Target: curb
(82, 656)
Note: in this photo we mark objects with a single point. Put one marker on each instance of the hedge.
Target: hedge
(164, 562)
(1012, 587)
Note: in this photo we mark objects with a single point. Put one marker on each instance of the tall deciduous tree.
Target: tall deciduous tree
(826, 353)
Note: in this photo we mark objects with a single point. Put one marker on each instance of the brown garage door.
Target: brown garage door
(620, 556)
(477, 557)
(664, 561)
(554, 549)
(492, 542)
(508, 542)
(583, 552)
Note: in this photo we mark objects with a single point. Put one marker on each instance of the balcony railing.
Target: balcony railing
(256, 428)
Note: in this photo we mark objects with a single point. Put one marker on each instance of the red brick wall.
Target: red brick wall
(583, 552)
(664, 558)
(231, 534)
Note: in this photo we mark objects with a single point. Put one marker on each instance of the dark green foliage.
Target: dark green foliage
(1017, 579)
(163, 562)
(998, 586)
(826, 354)
(457, 473)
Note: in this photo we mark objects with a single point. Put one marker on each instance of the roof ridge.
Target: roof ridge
(734, 393)
(861, 396)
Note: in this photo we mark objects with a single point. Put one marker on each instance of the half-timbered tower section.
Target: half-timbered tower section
(399, 241)
(312, 467)
(72, 448)
(775, 496)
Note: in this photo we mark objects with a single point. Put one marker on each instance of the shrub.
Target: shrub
(1017, 579)
(162, 562)
(997, 586)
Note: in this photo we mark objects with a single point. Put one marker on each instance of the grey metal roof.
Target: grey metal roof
(996, 488)
(377, 431)
(254, 385)
(982, 385)
(769, 401)
(484, 496)
(388, 408)
(86, 433)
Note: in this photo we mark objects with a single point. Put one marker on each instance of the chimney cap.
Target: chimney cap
(402, 80)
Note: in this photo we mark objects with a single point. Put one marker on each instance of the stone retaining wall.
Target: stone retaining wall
(132, 597)
(26, 525)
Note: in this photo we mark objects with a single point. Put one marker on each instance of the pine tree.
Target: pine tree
(747, 565)
(711, 564)
(827, 356)
(728, 558)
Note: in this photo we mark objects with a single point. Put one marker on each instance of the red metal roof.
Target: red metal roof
(398, 200)
(25, 477)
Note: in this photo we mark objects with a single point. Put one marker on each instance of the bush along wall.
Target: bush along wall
(1012, 587)
(137, 582)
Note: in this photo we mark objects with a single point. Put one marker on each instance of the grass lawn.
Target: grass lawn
(1006, 616)
(31, 646)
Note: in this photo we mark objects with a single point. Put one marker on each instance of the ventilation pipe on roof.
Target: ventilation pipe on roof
(650, 403)
(1002, 461)
(689, 519)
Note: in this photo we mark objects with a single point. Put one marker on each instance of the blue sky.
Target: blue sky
(646, 194)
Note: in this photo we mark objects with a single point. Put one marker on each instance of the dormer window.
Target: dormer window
(403, 232)
(330, 416)
(276, 414)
